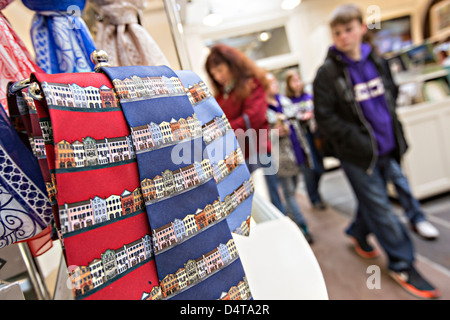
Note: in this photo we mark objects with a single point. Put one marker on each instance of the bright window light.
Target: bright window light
(212, 19)
(290, 4)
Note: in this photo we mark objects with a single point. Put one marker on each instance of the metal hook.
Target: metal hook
(33, 88)
(100, 58)
(35, 91)
(19, 85)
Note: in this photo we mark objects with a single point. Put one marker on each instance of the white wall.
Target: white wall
(306, 27)
(307, 30)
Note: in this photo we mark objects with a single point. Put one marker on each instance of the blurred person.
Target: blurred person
(296, 93)
(355, 113)
(238, 86)
(411, 206)
(443, 58)
(282, 115)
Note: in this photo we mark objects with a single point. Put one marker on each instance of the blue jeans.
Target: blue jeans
(312, 175)
(272, 186)
(406, 199)
(375, 213)
(288, 185)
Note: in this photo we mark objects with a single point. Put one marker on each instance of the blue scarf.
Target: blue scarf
(24, 206)
(61, 39)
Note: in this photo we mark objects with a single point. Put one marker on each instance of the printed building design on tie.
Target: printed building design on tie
(73, 96)
(215, 128)
(171, 183)
(241, 291)
(25, 104)
(153, 136)
(225, 167)
(92, 152)
(180, 230)
(195, 271)
(112, 264)
(97, 211)
(198, 92)
(136, 88)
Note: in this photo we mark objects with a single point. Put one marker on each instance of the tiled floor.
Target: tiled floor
(345, 273)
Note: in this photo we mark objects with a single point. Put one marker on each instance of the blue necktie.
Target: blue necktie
(25, 210)
(230, 171)
(194, 249)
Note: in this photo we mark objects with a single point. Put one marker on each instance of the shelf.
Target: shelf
(420, 107)
(420, 76)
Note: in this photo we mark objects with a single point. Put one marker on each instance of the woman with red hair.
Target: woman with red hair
(239, 88)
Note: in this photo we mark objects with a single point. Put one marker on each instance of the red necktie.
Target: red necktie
(103, 224)
(194, 249)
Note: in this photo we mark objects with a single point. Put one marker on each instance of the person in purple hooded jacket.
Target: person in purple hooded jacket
(354, 107)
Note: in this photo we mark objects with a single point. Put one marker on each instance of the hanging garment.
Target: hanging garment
(16, 62)
(61, 39)
(120, 33)
(35, 134)
(25, 211)
(195, 254)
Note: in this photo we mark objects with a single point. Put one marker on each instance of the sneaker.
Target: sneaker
(415, 284)
(426, 230)
(309, 238)
(364, 249)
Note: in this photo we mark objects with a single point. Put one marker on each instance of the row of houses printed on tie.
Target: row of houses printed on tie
(72, 95)
(138, 88)
(97, 210)
(153, 136)
(194, 271)
(26, 106)
(128, 89)
(215, 128)
(169, 182)
(241, 291)
(224, 167)
(94, 152)
(198, 92)
(94, 211)
(65, 95)
(110, 264)
(180, 230)
(90, 152)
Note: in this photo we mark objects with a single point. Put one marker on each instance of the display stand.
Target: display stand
(278, 261)
(426, 126)
(34, 273)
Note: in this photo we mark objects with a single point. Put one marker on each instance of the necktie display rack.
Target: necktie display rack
(184, 227)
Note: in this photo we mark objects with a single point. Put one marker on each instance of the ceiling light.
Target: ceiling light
(264, 36)
(212, 19)
(290, 4)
